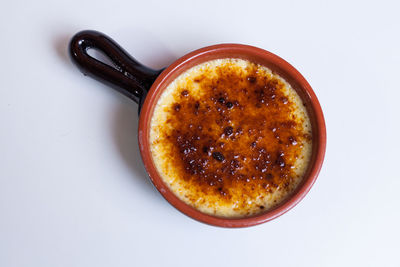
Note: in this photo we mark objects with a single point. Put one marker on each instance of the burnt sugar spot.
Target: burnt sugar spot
(177, 107)
(218, 156)
(252, 79)
(228, 131)
(237, 140)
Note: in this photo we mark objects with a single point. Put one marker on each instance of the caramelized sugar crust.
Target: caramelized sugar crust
(231, 138)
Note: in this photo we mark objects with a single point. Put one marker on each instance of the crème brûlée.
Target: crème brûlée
(230, 138)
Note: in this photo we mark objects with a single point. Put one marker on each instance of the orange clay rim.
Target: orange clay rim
(277, 65)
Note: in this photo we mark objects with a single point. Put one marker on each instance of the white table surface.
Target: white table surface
(74, 192)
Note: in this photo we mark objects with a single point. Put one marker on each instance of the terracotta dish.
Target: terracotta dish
(144, 86)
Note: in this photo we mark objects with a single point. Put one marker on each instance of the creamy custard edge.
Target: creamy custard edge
(161, 153)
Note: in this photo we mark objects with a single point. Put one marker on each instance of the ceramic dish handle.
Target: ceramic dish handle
(126, 75)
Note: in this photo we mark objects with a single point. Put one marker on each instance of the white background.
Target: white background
(73, 190)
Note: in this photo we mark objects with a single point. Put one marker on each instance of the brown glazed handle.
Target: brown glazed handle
(127, 76)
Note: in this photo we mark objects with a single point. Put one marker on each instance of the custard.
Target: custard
(231, 138)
